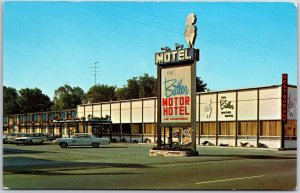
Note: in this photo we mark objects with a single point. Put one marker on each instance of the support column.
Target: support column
(199, 117)
(258, 121)
(130, 121)
(217, 119)
(170, 136)
(121, 128)
(236, 119)
(155, 122)
(164, 135)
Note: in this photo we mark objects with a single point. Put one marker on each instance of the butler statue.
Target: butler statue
(190, 32)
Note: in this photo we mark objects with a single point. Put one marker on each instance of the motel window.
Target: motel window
(149, 128)
(247, 128)
(35, 118)
(52, 116)
(73, 114)
(62, 114)
(44, 117)
(28, 118)
(136, 129)
(5, 120)
(126, 128)
(208, 128)
(291, 129)
(270, 128)
(21, 120)
(115, 128)
(227, 128)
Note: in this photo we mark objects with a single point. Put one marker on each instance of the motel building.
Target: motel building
(250, 117)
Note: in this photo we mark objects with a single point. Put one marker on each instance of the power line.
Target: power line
(212, 32)
(215, 40)
(207, 38)
(254, 11)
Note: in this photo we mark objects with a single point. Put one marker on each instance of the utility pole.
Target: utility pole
(95, 72)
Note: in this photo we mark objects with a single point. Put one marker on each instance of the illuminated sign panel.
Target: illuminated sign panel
(177, 56)
(176, 94)
(284, 98)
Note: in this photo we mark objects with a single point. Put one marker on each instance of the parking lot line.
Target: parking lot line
(230, 179)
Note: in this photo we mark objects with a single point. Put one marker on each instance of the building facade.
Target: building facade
(249, 117)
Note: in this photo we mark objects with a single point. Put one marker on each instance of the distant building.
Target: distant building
(249, 117)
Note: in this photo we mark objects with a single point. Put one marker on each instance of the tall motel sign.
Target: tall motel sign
(176, 78)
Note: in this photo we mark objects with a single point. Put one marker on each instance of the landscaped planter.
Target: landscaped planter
(169, 153)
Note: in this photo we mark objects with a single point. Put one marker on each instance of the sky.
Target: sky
(50, 44)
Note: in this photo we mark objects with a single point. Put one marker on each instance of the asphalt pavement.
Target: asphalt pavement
(127, 166)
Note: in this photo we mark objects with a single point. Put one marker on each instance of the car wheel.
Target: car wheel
(30, 142)
(95, 144)
(41, 142)
(63, 145)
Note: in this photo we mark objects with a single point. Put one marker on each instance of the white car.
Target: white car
(29, 138)
(82, 139)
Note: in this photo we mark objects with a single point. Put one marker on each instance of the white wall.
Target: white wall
(105, 110)
(136, 111)
(115, 112)
(197, 107)
(227, 106)
(149, 111)
(88, 110)
(80, 111)
(270, 104)
(125, 112)
(97, 111)
(208, 107)
(292, 103)
(247, 105)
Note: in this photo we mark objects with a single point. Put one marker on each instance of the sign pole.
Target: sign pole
(193, 97)
(158, 125)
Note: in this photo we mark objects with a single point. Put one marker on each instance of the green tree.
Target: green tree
(201, 86)
(121, 93)
(148, 86)
(10, 96)
(133, 88)
(101, 93)
(137, 87)
(33, 100)
(67, 97)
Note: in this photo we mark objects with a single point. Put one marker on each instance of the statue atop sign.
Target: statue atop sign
(190, 32)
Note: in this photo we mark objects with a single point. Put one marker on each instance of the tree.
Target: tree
(67, 97)
(101, 93)
(33, 100)
(137, 87)
(10, 96)
(121, 93)
(148, 86)
(200, 85)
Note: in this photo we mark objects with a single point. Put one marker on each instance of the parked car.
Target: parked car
(4, 136)
(50, 137)
(41, 135)
(10, 137)
(82, 139)
(29, 138)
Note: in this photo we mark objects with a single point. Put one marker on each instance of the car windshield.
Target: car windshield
(23, 135)
(82, 136)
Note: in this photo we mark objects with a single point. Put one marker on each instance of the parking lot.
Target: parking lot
(128, 166)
